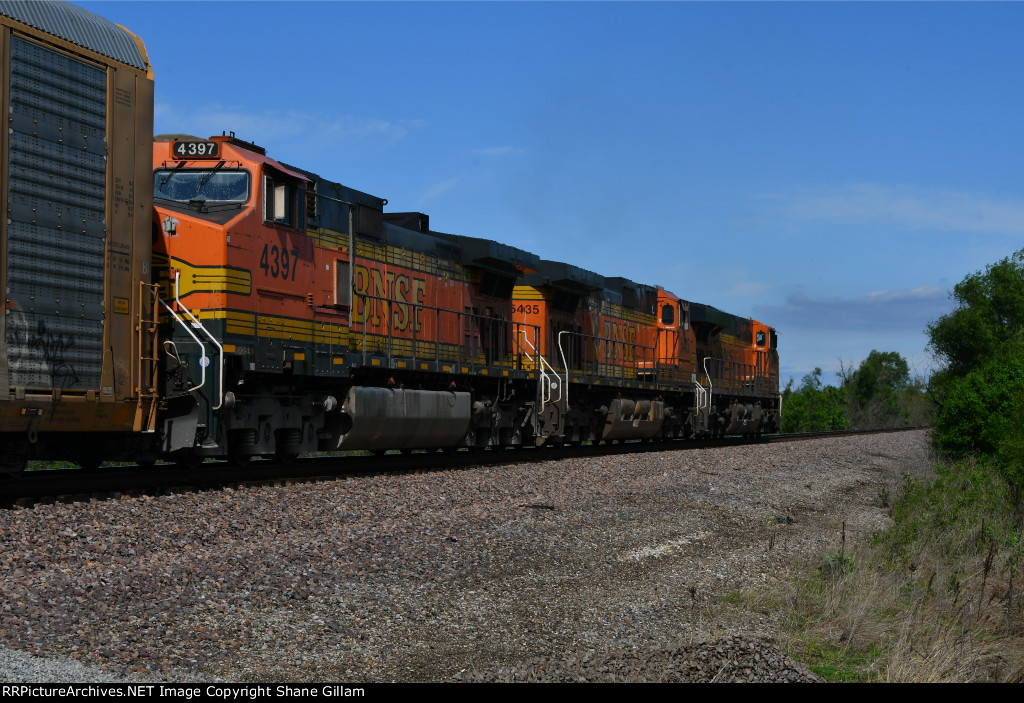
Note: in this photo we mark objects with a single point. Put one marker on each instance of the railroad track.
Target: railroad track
(67, 485)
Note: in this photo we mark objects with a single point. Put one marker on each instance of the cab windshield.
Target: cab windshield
(202, 187)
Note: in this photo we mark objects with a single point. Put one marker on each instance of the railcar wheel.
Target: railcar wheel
(13, 469)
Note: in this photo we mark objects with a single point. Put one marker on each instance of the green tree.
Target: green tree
(979, 389)
(880, 392)
(812, 407)
(989, 313)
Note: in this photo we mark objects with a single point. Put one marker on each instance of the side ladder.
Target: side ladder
(148, 367)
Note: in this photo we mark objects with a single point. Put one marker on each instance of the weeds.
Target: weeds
(884, 500)
(836, 564)
(936, 597)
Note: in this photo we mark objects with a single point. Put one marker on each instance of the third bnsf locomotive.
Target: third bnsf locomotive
(210, 301)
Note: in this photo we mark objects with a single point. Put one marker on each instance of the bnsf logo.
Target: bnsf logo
(619, 332)
(401, 288)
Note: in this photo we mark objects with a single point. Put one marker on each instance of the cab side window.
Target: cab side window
(668, 315)
(760, 338)
(279, 201)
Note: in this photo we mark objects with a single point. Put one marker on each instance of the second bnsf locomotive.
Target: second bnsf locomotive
(190, 298)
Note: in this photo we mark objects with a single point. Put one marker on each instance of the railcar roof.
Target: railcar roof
(78, 26)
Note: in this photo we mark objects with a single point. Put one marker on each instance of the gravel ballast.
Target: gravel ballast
(598, 569)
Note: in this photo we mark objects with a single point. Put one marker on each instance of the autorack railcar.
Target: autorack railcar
(77, 343)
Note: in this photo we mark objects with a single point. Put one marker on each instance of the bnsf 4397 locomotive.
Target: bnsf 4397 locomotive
(184, 298)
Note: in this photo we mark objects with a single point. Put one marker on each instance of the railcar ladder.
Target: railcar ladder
(148, 369)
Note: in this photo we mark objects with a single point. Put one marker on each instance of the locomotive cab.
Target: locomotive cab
(229, 244)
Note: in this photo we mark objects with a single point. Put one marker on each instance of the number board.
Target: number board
(196, 150)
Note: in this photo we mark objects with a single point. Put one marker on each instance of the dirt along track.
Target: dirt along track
(594, 567)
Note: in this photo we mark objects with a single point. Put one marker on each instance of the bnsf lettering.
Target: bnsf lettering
(277, 262)
(623, 338)
(405, 292)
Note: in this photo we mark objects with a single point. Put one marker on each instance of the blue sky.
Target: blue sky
(831, 169)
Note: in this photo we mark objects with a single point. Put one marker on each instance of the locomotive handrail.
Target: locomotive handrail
(545, 380)
(565, 365)
(711, 387)
(736, 376)
(701, 394)
(618, 371)
(387, 330)
(202, 349)
(204, 358)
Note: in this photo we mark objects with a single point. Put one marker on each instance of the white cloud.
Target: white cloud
(909, 207)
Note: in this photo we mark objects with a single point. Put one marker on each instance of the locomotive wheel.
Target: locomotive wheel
(187, 459)
(286, 457)
(238, 459)
(89, 460)
(241, 446)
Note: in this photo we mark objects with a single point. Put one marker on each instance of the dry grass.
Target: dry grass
(937, 597)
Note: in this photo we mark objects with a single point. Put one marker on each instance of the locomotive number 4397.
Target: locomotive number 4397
(279, 263)
(196, 150)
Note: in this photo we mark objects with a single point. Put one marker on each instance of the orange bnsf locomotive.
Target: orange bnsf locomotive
(301, 317)
(235, 306)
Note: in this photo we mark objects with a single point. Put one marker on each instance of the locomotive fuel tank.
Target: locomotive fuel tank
(395, 418)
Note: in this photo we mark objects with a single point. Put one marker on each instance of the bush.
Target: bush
(812, 407)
